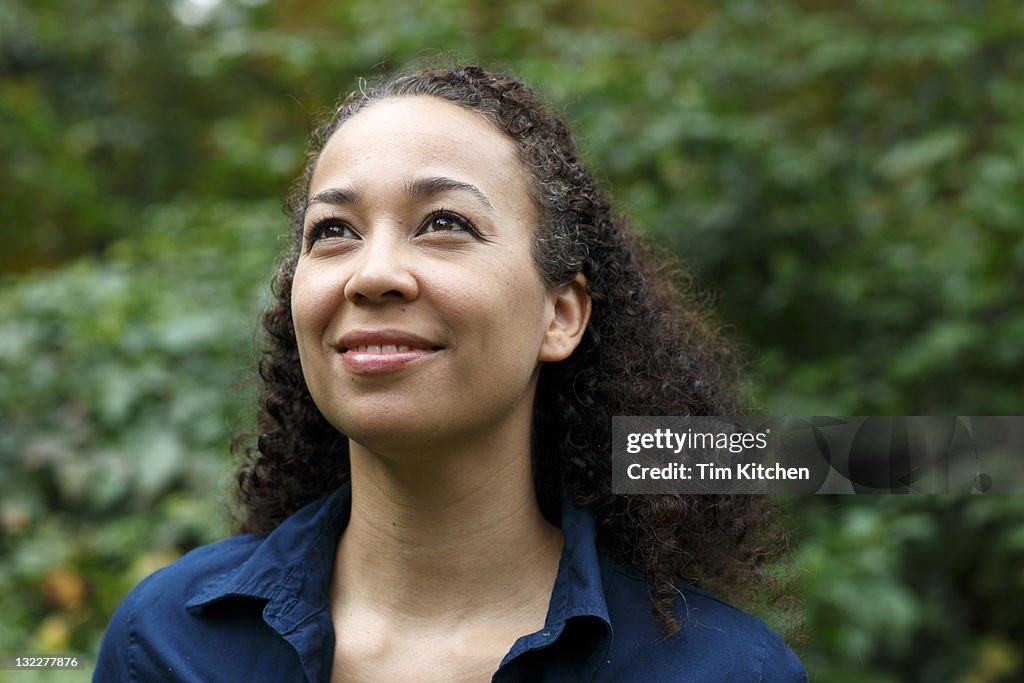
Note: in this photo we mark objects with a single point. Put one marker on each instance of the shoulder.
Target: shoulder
(716, 641)
(239, 609)
(177, 583)
(153, 620)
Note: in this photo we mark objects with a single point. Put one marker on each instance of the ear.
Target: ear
(569, 322)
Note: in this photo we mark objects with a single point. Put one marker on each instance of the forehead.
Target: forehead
(416, 135)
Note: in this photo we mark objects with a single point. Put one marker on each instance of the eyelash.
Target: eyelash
(315, 232)
(461, 221)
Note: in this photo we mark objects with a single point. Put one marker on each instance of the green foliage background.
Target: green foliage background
(845, 178)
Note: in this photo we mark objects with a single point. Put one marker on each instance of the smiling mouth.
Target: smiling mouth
(387, 348)
(378, 359)
(375, 351)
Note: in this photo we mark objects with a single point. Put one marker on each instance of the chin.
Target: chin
(388, 434)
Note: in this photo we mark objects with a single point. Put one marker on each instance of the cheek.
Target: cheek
(523, 291)
(311, 303)
(520, 307)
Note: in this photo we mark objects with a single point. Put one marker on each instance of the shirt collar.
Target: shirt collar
(578, 589)
(291, 570)
(578, 597)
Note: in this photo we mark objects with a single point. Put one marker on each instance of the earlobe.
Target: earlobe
(569, 322)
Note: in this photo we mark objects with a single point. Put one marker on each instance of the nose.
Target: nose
(382, 273)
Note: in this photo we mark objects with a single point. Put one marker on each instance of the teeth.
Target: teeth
(377, 348)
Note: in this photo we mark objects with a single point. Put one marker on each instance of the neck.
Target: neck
(453, 533)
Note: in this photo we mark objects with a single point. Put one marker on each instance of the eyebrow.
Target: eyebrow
(419, 188)
(430, 187)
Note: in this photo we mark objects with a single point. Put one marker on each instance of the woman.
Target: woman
(457, 318)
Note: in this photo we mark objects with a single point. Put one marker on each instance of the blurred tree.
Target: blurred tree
(99, 119)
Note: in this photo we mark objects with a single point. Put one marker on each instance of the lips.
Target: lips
(370, 352)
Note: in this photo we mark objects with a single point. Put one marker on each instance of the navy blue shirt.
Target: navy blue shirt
(256, 608)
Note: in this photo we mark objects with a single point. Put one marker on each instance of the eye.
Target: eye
(446, 221)
(330, 228)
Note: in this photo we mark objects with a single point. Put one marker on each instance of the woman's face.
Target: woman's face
(419, 313)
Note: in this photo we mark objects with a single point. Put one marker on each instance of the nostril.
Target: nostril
(381, 280)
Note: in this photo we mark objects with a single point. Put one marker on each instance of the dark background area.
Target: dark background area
(846, 180)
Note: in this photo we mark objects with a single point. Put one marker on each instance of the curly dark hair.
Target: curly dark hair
(649, 349)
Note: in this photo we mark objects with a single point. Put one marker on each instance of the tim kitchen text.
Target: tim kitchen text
(708, 471)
